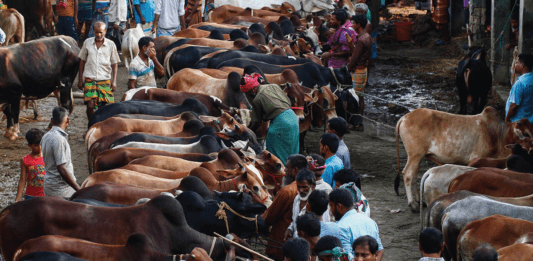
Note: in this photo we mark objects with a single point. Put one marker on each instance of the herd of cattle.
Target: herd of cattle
(188, 142)
(187, 148)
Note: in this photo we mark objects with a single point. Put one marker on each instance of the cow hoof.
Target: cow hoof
(11, 136)
(414, 208)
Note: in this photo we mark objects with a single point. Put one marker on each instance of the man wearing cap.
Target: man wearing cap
(270, 103)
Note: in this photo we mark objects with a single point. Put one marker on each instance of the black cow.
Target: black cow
(273, 31)
(216, 34)
(309, 74)
(97, 203)
(258, 28)
(162, 219)
(238, 34)
(202, 216)
(287, 27)
(520, 160)
(474, 81)
(217, 59)
(149, 107)
(36, 69)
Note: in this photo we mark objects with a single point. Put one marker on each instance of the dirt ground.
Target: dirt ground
(373, 152)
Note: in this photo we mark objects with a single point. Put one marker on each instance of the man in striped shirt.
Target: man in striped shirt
(141, 70)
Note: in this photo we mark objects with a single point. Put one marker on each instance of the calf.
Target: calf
(474, 81)
(196, 81)
(447, 138)
(12, 23)
(162, 219)
(499, 231)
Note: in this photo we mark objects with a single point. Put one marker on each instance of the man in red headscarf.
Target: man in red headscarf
(270, 103)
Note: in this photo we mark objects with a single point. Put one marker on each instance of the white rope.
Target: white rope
(212, 246)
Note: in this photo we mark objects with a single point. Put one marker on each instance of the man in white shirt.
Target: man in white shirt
(98, 69)
(141, 70)
(169, 17)
(118, 11)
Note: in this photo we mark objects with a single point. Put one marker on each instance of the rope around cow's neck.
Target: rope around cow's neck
(221, 214)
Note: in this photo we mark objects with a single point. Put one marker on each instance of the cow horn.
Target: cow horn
(167, 194)
(240, 165)
(247, 145)
(231, 120)
(237, 127)
(193, 256)
(223, 145)
(519, 134)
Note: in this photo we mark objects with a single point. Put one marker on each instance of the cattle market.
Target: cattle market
(295, 130)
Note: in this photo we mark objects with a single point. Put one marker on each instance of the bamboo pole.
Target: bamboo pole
(243, 247)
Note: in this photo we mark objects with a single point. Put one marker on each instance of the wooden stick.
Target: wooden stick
(245, 248)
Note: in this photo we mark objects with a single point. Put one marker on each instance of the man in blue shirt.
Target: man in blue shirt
(144, 14)
(339, 127)
(352, 224)
(520, 102)
(329, 143)
(318, 203)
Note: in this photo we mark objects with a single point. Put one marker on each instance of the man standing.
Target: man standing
(305, 183)
(329, 143)
(118, 11)
(358, 65)
(144, 14)
(194, 12)
(141, 71)
(318, 203)
(520, 102)
(351, 223)
(68, 18)
(279, 214)
(339, 127)
(98, 65)
(169, 17)
(59, 179)
(431, 244)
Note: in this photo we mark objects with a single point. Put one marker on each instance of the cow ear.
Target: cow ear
(228, 174)
(240, 195)
(245, 175)
(269, 155)
(217, 193)
(307, 97)
(263, 48)
(222, 135)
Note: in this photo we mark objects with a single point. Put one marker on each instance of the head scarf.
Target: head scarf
(357, 195)
(250, 81)
(313, 165)
(337, 254)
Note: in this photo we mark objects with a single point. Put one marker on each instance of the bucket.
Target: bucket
(403, 31)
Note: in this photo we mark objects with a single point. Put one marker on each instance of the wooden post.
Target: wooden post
(499, 35)
(525, 42)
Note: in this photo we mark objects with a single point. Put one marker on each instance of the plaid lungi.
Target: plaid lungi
(359, 79)
(100, 91)
(441, 16)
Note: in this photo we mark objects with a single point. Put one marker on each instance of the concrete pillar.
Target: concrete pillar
(525, 41)
(477, 21)
(457, 18)
(499, 55)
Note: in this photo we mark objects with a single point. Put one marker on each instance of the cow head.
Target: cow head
(522, 133)
(238, 131)
(271, 167)
(241, 202)
(65, 94)
(236, 97)
(298, 99)
(286, 8)
(323, 106)
(242, 178)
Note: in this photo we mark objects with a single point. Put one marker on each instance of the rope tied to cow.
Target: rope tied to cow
(221, 214)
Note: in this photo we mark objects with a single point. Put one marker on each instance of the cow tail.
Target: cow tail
(397, 179)
(166, 63)
(85, 182)
(22, 28)
(426, 175)
(88, 136)
(90, 159)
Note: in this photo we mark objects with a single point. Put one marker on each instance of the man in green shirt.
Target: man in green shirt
(270, 103)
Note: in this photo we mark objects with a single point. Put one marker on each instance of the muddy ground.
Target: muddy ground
(404, 74)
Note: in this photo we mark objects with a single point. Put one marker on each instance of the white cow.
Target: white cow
(130, 44)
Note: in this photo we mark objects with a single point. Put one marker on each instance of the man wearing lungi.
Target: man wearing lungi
(358, 65)
(98, 70)
(270, 103)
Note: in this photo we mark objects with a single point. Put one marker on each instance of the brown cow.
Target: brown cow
(497, 230)
(447, 138)
(128, 177)
(37, 13)
(195, 33)
(118, 193)
(214, 105)
(516, 252)
(156, 172)
(167, 163)
(138, 247)
(193, 80)
(162, 219)
(228, 26)
(116, 158)
(493, 184)
(12, 23)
